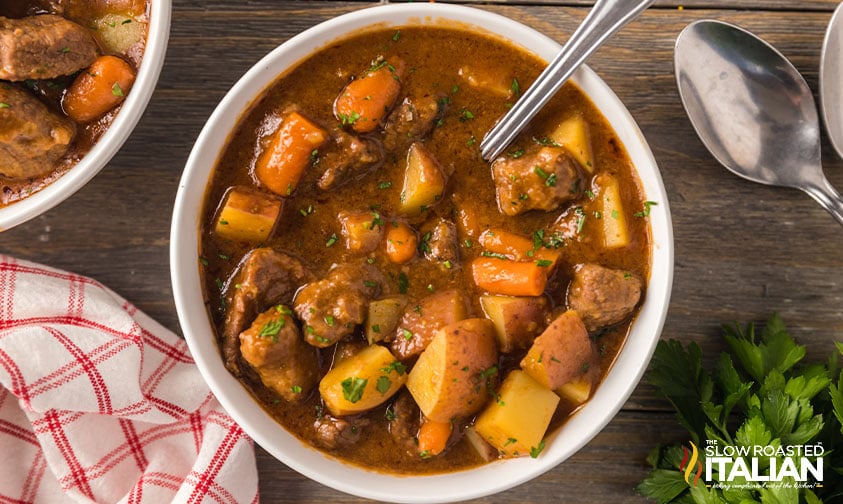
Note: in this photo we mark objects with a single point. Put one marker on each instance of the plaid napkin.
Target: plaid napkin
(99, 403)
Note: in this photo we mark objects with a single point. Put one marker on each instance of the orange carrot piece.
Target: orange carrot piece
(433, 437)
(290, 150)
(364, 102)
(401, 242)
(517, 247)
(100, 88)
(513, 278)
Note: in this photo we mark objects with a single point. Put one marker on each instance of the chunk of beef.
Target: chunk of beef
(412, 120)
(603, 296)
(404, 422)
(541, 180)
(265, 277)
(421, 321)
(32, 137)
(443, 244)
(274, 347)
(334, 432)
(331, 308)
(43, 47)
(347, 157)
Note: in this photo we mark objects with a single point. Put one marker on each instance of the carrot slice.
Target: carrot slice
(433, 437)
(518, 247)
(401, 242)
(290, 150)
(364, 102)
(513, 278)
(100, 88)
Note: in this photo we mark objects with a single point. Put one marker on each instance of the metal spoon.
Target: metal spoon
(605, 18)
(752, 109)
(831, 77)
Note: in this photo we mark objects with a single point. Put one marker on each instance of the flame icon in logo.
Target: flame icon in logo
(691, 461)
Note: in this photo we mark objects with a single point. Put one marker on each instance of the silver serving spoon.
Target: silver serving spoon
(831, 80)
(605, 18)
(752, 109)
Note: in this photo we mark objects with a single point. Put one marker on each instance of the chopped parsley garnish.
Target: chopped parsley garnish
(349, 119)
(408, 334)
(534, 451)
(646, 211)
(296, 389)
(116, 90)
(515, 87)
(466, 115)
(543, 263)
(383, 384)
(332, 240)
(5, 105)
(272, 328)
(384, 185)
(403, 283)
(352, 388)
(396, 366)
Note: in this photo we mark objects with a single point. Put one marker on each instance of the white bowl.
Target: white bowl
(467, 484)
(111, 141)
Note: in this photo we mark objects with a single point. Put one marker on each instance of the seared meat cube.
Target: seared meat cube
(32, 137)
(333, 432)
(442, 245)
(274, 347)
(410, 121)
(265, 277)
(421, 320)
(43, 47)
(541, 180)
(404, 422)
(331, 308)
(603, 296)
(346, 157)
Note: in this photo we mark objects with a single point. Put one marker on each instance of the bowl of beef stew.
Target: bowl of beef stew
(384, 311)
(75, 78)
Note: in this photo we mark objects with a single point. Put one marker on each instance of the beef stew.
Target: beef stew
(65, 68)
(382, 291)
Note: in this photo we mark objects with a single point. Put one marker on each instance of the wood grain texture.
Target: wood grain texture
(742, 250)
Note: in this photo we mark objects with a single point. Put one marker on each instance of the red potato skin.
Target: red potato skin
(559, 354)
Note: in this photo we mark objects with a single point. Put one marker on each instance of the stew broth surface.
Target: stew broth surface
(434, 57)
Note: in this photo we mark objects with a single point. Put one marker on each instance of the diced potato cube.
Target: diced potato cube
(516, 422)
(518, 320)
(612, 214)
(117, 32)
(486, 451)
(247, 216)
(561, 353)
(424, 181)
(576, 391)
(362, 230)
(489, 79)
(448, 380)
(362, 381)
(575, 136)
(384, 316)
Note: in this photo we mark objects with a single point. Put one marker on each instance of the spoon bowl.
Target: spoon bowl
(752, 109)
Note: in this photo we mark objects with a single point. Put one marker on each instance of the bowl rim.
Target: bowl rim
(449, 487)
(114, 137)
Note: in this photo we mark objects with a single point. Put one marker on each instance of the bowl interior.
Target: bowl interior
(114, 137)
(485, 480)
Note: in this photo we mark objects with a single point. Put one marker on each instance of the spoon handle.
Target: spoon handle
(828, 197)
(605, 18)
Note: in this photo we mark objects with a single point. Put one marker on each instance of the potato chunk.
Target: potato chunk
(448, 380)
(383, 317)
(424, 181)
(613, 218)
(575, 136)
(421, 320)
(362, 231)
(247, 216)
(518, 320)
(517, 421)
(362, 381)
(561, 353)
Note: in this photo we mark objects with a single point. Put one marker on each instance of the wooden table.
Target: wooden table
(743, 250)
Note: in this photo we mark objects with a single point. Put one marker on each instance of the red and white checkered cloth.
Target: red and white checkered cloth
(102, 404)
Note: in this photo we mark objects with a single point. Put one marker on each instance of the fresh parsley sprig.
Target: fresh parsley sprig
(758, 394)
